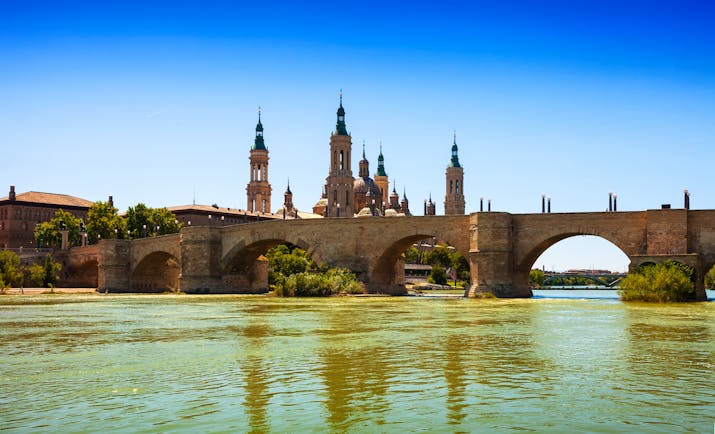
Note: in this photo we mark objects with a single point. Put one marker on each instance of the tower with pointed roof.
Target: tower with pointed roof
(454, 197)
(258, 189)
(339, 183)
(430, 208)
(381, 177)
(394, 202)
(405, 204)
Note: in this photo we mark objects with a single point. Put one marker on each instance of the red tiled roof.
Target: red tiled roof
(51, 199)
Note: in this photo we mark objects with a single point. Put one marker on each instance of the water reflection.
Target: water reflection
(257, 364)
(255, 374)
(456, 379)
(356, 368)
(671, 351)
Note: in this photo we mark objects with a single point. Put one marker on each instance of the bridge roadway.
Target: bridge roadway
(501, 248)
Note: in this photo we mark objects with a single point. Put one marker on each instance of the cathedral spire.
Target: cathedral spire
(364, 171)
(258, 143)
(340, 128)
(381, 164)
(455, 156)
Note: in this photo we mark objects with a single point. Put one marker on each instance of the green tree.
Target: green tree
(710, 279)
(165, 221)
(661, 283)
(284, 261)
(102, 221)
(536, 278)
(45, 274)
(11, 273)
(438, 275)
(460, 264)
(48, 234)
(142, 221)
(439, 255)
(412, 255)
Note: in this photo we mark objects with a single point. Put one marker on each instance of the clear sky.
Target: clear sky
(156, 102)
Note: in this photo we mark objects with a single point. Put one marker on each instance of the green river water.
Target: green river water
(98, 363)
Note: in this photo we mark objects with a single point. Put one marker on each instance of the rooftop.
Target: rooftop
(50, 199)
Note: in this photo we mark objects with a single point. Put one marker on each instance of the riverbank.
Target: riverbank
(36, 291)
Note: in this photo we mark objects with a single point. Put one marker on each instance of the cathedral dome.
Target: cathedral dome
(366, 184)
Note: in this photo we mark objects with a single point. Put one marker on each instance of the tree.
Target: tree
(710, 279)
(284, 261)
(103, 220)
(46, 273)
(48, 233)
(659, 283)
(439, 255)
(142, 221)
(437, 275)
(536, 278)
(165, 220)
(460, 265)
(412, 255)
(10, 269)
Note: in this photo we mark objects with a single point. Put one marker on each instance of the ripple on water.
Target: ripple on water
(357, 364)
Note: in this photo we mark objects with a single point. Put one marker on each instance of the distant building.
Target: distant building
(454, 197)
(214, 215)
(19, 213)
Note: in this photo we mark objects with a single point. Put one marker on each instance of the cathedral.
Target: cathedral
(344, 195)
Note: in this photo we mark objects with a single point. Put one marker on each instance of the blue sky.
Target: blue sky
(157, 102)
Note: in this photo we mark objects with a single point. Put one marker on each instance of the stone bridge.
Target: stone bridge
(501, 248)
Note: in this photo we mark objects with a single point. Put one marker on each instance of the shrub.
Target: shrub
(536, 278)
(437, 275)
(661, 283)
(10, 269)
(306, 284)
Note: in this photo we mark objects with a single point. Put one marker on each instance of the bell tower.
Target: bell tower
(454, 198)
(381, 177)
(339, 183)
(258, 189)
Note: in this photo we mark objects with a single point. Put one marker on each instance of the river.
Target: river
(157, 363)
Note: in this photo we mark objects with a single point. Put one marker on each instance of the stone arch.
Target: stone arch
(386, 275)
(523, 265)
(158, 271)
(242, 269)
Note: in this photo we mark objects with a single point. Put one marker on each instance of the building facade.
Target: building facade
(19, 213)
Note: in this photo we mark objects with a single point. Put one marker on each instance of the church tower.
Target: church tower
(258, 189)
(339, 183)
(430, 208)
(454, 199)
(381, 177)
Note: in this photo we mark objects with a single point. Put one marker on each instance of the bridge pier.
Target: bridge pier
(113, 273)
(200, 260)
(491, 258)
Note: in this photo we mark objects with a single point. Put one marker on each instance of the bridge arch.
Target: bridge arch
(524, 264)
(242, 269)
(385, 274)
(157, 271)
